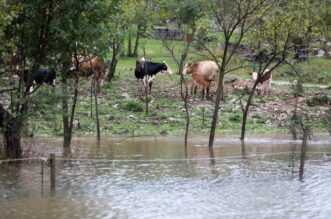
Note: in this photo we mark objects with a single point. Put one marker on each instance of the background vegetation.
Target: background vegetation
(38, 34)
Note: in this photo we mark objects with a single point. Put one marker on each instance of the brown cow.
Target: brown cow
(205, 72)
(200, 81)
(88, 66)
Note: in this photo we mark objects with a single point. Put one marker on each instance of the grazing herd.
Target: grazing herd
(81, 66)
(204, 74)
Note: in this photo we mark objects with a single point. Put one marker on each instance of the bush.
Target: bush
(236, 117)
(318, 100)
(133, 106)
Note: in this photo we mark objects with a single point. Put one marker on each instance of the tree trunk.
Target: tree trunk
(65, 114)
(184, 95)
(246, 110)
(97, 111)
(219, 96)
(129, 43)
(12, 134)
(114, 60)
(73, 108)
(303, 151)
(12, 138)
(243, 124)
(136, 45)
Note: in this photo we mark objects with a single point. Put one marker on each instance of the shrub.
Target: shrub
(236, 117)
(133, 106)
(318, 100)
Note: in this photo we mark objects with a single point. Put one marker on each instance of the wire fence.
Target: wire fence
(324, 156)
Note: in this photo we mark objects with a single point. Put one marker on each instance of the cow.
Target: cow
(207, 71)
(146, 71)
(44, 75)
(200, 81)
(88, 66)
(264, 81)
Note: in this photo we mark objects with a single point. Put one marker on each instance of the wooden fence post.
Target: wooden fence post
(52, 165)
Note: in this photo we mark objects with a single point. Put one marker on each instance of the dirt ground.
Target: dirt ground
(279, 104)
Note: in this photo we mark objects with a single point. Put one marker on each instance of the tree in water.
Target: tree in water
(274, 41)
(39, 42)
(234, 20)
(188, 13)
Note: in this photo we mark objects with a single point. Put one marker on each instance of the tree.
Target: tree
(234, 19)
(275, 37)
(80, 29)
(142, 21)
(116, 27)
(187, 13)
(42, 33)
(27, 36)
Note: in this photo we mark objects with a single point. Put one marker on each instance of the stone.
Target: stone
(125, 95)
(131, 117)
(320, 53)
(174, 120)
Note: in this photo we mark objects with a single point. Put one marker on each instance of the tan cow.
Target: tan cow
(204, 71)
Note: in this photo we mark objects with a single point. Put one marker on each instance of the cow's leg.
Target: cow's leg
(141, 83)
(203, 93)
(151, 78)
(269, 87)
(150, 86)
(265, 88)
(145, 79)
(192, 87)
(98, 86)
(258, 90)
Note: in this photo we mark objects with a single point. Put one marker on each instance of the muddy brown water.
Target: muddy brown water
(144, 178)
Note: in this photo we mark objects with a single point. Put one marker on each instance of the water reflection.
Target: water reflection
(120, 179)
(243, 151)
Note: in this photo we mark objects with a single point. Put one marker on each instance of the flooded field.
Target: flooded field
(144, 178)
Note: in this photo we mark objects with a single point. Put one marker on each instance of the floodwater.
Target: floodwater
(144, 178)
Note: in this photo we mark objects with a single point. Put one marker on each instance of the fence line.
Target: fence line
(163, 160)
(24, 159)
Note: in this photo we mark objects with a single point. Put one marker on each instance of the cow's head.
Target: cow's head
(53, 77)
(166, 68)
(255, 75)
(190, 67)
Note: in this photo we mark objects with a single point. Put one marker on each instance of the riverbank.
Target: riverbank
(122, 110)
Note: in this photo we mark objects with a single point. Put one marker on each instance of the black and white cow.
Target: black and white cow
(46, 75)
(146, 71)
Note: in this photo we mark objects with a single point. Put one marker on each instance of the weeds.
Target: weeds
(319, 100)
(133, 106)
